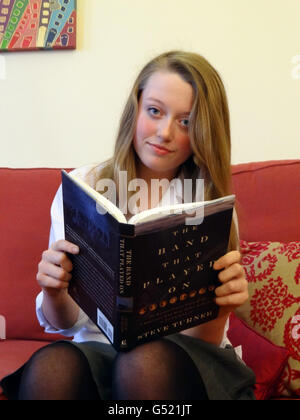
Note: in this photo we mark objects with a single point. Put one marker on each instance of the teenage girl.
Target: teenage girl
(175, 124)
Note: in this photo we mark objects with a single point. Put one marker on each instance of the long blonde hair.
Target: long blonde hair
(209, 128)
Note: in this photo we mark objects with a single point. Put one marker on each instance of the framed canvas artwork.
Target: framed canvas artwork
(37, 24)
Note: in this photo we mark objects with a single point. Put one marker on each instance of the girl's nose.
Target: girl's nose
(165, 129)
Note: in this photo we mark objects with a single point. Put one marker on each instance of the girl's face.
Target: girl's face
(161, 139)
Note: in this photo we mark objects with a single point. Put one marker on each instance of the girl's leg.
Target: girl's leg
(58, 372)
(159, 370)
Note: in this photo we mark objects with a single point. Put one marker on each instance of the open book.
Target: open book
(151, 276)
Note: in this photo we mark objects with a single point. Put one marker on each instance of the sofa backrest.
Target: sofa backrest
(268, 206)
(268, 200)
(25, 200)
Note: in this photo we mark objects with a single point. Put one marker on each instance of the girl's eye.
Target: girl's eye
(153, 111)
(185, 122)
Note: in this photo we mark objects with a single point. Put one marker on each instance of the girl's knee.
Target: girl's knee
(57, 359)
(159, 369)
(57, 371)
(145, 357)
(56, 352)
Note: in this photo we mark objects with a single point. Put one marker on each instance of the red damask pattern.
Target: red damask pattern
(297, 275)
(291, 250)
(282, 385)
(267, 265)
(253, 249)
(284, 380)
(249, 258)
(292, 336)
(273, 273)
(269, 303)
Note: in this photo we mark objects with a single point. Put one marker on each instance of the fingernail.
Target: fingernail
(215, 266)
(75, 249)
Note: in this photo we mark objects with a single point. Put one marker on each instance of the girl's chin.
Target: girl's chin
(157, 170)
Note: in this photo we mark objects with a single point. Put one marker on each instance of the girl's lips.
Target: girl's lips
(159, 149)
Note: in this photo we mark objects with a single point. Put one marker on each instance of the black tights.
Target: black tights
(58, 372)
(160, 370)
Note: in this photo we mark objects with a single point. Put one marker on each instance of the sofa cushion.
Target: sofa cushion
(25, 199)
(273, 272)
(268, 200)
(265, 358)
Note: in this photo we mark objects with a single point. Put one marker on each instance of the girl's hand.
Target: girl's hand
(234, 289)
(54, 270)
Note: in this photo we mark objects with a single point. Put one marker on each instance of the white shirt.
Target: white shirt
(84, 329)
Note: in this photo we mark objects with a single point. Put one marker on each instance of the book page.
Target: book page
(99, 199)
(159, 212)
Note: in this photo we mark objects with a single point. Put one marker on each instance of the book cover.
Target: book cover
(141, 282)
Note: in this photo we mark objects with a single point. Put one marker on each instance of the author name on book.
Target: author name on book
(184, 323)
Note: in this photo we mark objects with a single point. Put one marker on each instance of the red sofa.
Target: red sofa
(268, 206)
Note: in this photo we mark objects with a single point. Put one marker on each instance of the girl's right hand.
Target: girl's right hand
(54, 269)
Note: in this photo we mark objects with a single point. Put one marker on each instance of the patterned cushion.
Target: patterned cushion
(273, 273)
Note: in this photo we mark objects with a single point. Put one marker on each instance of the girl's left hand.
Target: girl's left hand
(234, 289)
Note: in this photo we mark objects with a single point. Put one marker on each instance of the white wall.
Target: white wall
(62, 108)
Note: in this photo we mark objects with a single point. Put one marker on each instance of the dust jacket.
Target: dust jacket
(139, 282)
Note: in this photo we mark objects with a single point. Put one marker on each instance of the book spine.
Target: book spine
(125, 295)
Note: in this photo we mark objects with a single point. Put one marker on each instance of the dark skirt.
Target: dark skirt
(224, 375)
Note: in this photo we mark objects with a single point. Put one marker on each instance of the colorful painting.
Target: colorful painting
(37, 24)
